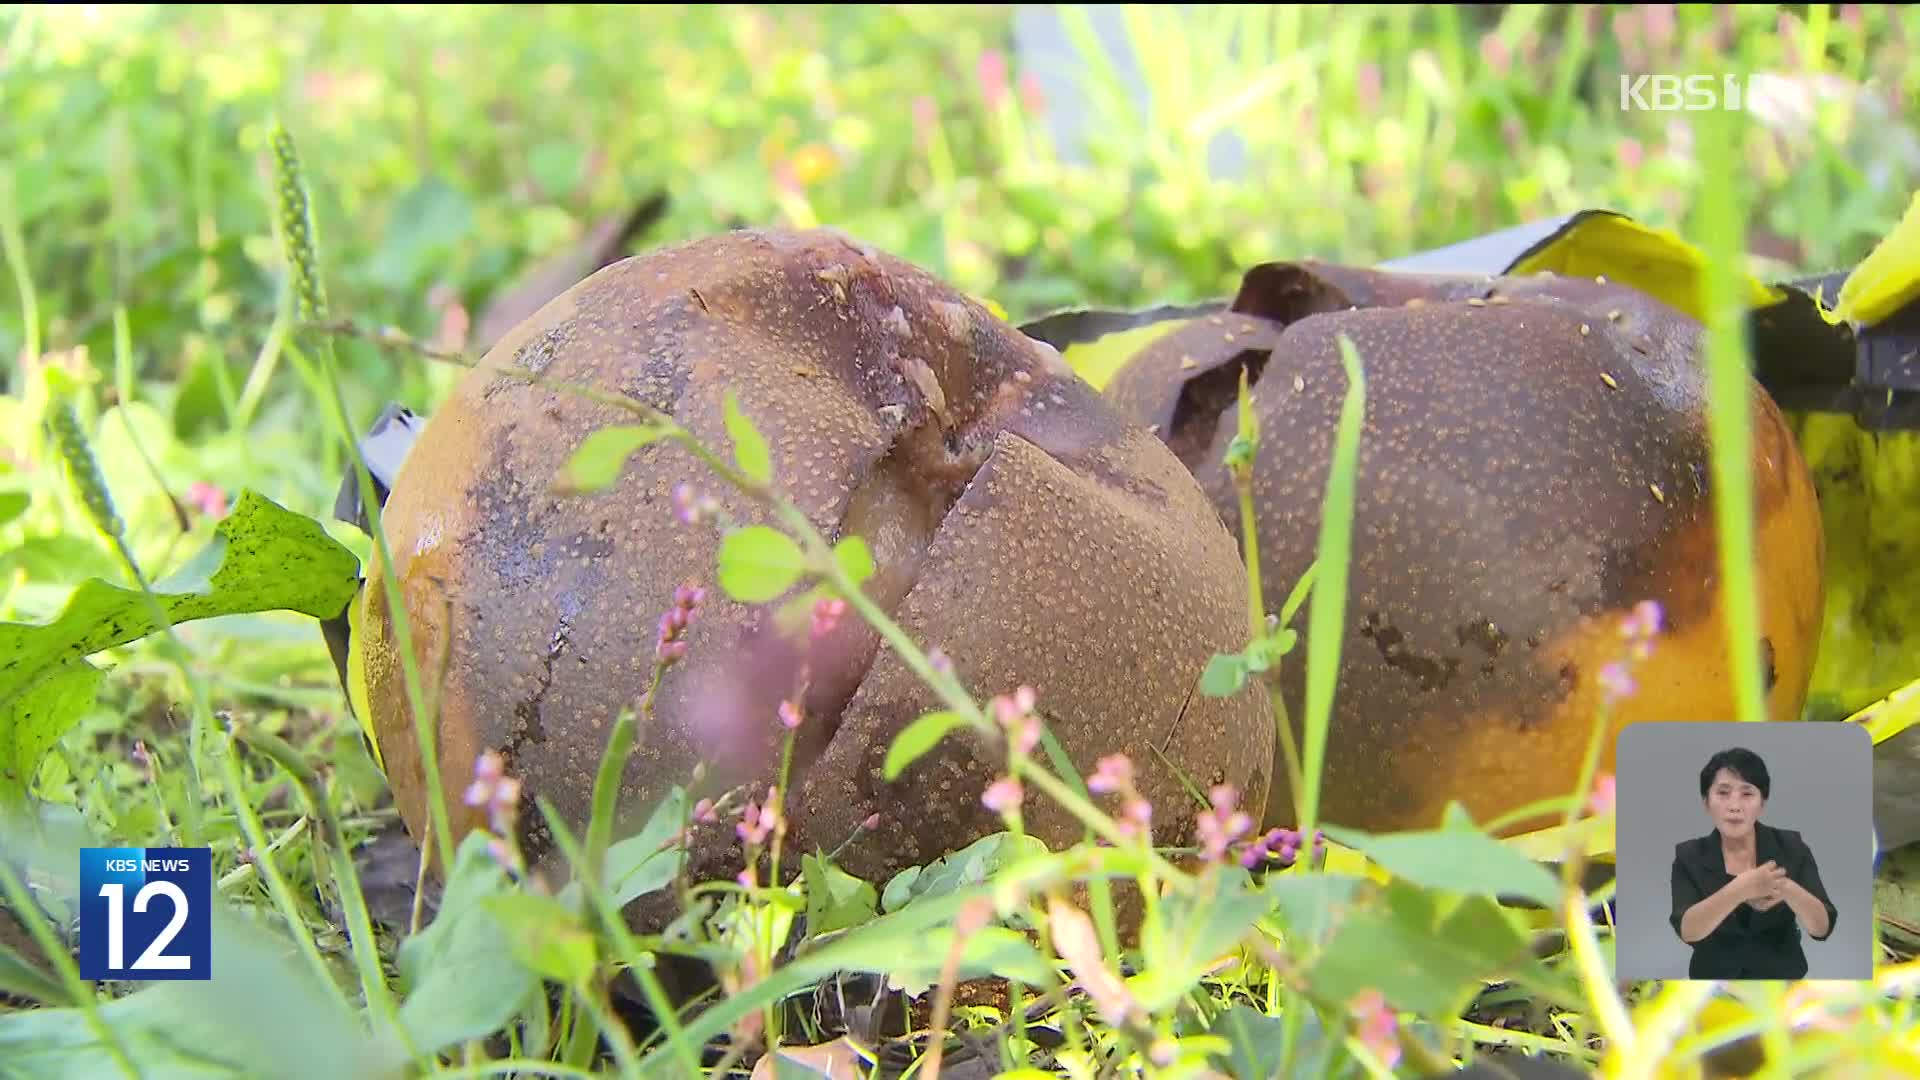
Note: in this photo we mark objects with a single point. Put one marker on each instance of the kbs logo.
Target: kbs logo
(1683, 93)
(145, 913)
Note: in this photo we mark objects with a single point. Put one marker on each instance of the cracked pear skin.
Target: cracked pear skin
(1016, 521)
(1534, 463)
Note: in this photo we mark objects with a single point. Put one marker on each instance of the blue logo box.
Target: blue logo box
(145, 913)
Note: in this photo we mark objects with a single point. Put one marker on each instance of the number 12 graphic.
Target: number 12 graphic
(153, 903)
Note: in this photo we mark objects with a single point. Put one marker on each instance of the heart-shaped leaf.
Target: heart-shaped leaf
(464, 983)
(1226, 673)
(545, 936)
(603, 453)
(758, 563)
(835, 898)
(918, 738)
(855, 559)
(749, 446)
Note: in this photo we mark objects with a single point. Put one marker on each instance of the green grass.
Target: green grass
(147, 247)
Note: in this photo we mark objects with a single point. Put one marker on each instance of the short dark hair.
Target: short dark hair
(1740, 761)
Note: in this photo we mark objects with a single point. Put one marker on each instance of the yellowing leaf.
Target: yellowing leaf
(1889, 278)
(1892, 714)
(1655, 261)
(1345, 860)
(1099, 360)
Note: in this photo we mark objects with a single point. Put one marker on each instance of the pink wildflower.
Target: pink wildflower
(1641, 626)
(1220, 826)
(826, 615)
(1601, 800)
(669, 645)
(992, 72)
(1377, 1026)
(1003, 796)
(1111, 773)
(1616, 682)
(207, 498)
(758, 822)
(690, 506)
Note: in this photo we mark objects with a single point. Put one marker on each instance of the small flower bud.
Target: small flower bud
(1003, 795)
(1110, 774)
(826, 616)
(1616, 683)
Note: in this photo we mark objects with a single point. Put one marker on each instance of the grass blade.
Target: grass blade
(1326, 616)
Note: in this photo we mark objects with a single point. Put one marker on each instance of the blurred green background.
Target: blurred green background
(1039, 156)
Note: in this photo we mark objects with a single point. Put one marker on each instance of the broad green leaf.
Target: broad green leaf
(1374, 950)
(31, 723)
(1310, 906)
(603, 453)
(749, 446)
(855, 559)
(1226, 673)
(1392, 944)
(262, 558)
(835, 898)
(912, 962)
(261, 1014)
(902, 931)
(545, 936)
(918, 738)
(13, 504)
(758, 563)
(462, 982)
(1185, 935)
(1482, 927)
(21, 979)
(967, 867)
(1256, 1039)
(645, 862)
(1458, 860)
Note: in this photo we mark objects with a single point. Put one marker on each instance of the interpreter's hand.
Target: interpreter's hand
(1762, 886)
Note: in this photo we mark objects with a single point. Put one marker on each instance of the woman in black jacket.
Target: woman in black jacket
(1743, 892)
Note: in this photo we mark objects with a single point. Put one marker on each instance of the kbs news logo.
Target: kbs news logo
(1684, 93)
